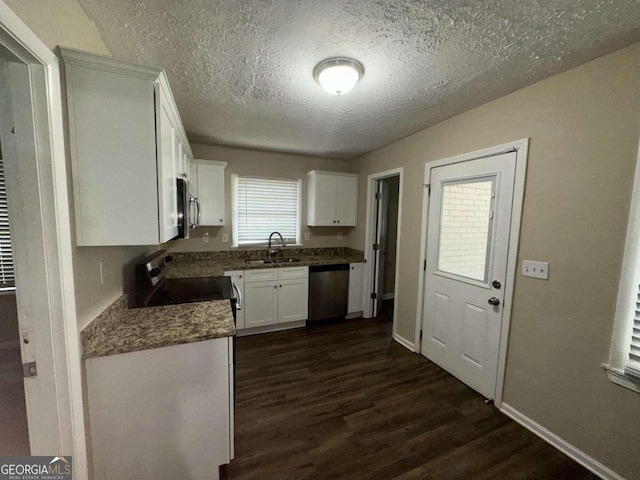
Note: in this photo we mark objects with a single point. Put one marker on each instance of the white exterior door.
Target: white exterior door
(469, 222)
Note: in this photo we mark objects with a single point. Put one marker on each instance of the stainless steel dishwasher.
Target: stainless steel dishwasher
(328, 291)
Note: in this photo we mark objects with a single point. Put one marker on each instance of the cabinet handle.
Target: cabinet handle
(275, 286)
(221, 220)
(334, 221)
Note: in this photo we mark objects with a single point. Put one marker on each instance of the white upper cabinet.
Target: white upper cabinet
(332, 199)
(128, 147)
(210, 188)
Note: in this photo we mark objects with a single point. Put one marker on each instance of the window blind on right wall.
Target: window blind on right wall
(7, 272)
(633, 367)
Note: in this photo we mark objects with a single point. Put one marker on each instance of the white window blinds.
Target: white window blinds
(7, 273)
(265, 205)
(633, 367)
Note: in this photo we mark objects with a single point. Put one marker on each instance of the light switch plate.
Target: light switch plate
(535, 269)
(205, 237)
(339, 236)
(307, 235)
(225, 237)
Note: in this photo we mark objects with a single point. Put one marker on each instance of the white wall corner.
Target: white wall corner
(404, 342)
(565, 447)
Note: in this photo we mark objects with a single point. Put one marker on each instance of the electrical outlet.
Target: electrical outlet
(307, 235)
(535, 269)
(225, 237)
(339, 236)
(104, 271)
(205, 237)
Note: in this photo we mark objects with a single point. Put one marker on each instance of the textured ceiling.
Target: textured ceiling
(241, 70)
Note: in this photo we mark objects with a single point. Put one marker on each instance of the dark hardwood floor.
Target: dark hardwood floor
(343, 400)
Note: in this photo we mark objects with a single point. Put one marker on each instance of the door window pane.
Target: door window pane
(465, 228)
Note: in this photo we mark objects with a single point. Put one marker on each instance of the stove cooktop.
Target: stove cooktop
(189, 290)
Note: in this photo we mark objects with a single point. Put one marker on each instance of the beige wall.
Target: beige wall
(584, 126)
(63, 22)
(271, 164)
(60, 22)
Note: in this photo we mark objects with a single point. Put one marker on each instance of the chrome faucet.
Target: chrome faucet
(271, 251)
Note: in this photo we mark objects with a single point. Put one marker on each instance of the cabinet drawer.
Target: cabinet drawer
(287, 273)
(261, 275)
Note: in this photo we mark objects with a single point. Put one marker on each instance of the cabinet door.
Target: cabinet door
(113, 150)
(346, 201)
(260, 304)
(355, 288)
(325, 201)
(211, 194)
(167, 169)
(293, 300)
(237, 278)
(142, 441)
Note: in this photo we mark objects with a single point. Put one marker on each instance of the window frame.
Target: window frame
(234, 211)
(618, 365)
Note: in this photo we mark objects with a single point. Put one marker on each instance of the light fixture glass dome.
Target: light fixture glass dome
(338, 75)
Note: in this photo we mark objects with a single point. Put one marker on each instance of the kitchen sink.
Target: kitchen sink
(271, 261)
(258, 262)
(285, 260)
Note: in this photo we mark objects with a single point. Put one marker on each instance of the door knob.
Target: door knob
(494, 301)
(496, 284)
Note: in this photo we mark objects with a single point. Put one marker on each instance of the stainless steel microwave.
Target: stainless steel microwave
(188, 209)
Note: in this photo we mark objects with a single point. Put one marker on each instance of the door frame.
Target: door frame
(521, 147)
(370, 235)
(50, 186)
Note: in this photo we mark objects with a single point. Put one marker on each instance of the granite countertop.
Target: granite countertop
(214, 264)
(122, 330)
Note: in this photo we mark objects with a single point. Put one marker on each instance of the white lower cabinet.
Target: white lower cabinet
(162, 412)
(261, 304)
(355, 305)
(275, 296)
(293, 303)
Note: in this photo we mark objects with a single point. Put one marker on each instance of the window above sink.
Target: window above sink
(261, 205)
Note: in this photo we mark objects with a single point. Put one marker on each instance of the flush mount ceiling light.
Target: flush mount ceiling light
(338, 75)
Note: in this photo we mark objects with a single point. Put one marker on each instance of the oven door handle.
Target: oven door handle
(193, 202)
(239, 300)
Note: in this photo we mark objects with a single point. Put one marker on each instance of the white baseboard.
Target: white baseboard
(565, 447)
(404, 342)
(244, 332)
